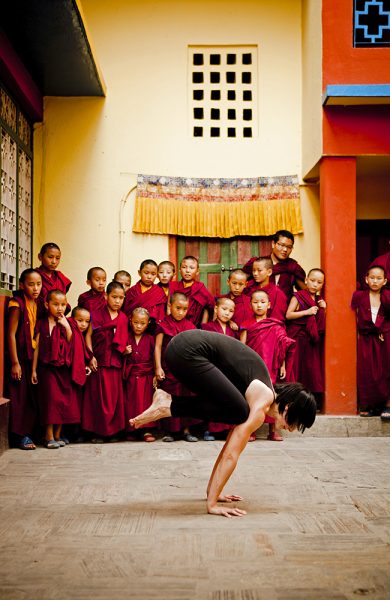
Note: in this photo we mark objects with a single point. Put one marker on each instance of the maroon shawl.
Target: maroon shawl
(314, 324)
(217, 328)
(109, 338)
(92, 300)
(154, 300)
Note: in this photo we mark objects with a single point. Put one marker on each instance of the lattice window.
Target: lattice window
(15, 192)
(222, 91)
(371, 23)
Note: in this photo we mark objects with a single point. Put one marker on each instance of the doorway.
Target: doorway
(372, 240)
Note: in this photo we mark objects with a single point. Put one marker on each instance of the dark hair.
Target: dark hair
(260, 290)
(316, 269)
(114, 285)
(264, 259)
(24, 274)
(178, 296)
(49, 246)
(148, 261)
(92, 270)
(189, 257)
(283, 233)
(239, 271)
(300, 403)
(376, 267)
(77, 309)
(167, 262)
(51, 293)
(122, 273)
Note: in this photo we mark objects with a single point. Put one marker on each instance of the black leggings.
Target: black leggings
(193, 357)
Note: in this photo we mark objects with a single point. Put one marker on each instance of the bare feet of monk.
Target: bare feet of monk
(159, 409)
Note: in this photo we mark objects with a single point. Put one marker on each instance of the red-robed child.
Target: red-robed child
(261, 272)
(306, 325)
(237, 282)
(95, 298)
(165, 272)
(286, 272)
(372, 308)
(56, 368)
(124, 278)
(223, 316)
(269, 339)
(23, 310)
(103, 407)
(138, 373)
(171, 325)
(52, 279)
(201, 302)
(146, 294)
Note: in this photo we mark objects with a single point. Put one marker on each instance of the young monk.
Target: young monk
(261, 272)
(146, 294)
(223, 313)
(124, 278)
(201, 302)
(286, 272)
(232, 384)
(138, 372)
(23, 310)
(95, 298)
(103, 407)
(268, 338)
(372, 308)
(54, 367)
(306, 325)
(165, 273)
(171, 325)
(237, 281)
(52, 279)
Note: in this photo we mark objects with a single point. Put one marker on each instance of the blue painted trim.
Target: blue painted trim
(374, 90)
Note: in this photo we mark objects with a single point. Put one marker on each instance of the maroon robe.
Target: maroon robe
(170, 327)
(373, 350)
(23, 407)
(242, 308)
(199, 299)
(269, 339)
(277, 299)
(154, 300)
(57, 281)
(138, 373)
(92, 300)
(289, 271)
(103, 407)
(308, 332)
(58, 404)
(216, 327)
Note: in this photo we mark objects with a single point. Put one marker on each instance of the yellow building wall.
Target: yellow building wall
(89, 150)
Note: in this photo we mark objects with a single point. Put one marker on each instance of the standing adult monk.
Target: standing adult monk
(232, 385)
(286, 272)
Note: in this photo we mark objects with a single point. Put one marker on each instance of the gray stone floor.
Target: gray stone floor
(128, 520)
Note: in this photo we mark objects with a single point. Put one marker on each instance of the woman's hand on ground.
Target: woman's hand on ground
(230, 498)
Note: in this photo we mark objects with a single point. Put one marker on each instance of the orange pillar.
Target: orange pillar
(338, 257)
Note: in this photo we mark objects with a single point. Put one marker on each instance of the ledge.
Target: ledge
(356, 94)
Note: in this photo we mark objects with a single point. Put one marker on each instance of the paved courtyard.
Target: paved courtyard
(128, 520)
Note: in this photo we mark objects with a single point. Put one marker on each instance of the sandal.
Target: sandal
(149, 437)
(274, 437)
(168, 438)
(26, 443)
(51, 444)
(367, 413)
(208, 437)
(60, 442)
(385, 414)
(97, 440)
(188, 437)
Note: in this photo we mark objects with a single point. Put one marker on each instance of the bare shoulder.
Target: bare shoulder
(259, 395)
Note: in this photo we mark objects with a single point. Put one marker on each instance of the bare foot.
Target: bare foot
(159, 409)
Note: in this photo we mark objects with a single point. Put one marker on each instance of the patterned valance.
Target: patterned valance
(217, 207)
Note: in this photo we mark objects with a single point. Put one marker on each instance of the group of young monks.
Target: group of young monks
(97, 368)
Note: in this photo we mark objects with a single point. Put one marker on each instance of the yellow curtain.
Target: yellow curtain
(217, 207)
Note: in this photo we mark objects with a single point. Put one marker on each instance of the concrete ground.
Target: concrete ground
(128, 520)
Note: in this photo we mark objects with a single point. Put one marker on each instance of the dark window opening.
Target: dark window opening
(231, 132)
(231, 113)
(215, 95)
(231, 95)
(246, 77)
(215, 77)
(197, 77)
(197, 59)
(198, 113)
(214, 132)
(215, 59)
(247, 132)
(247, 114)
(198, 131)
(198, 94)
(247, 95)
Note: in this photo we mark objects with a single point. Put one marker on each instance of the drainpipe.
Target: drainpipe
(122, 229)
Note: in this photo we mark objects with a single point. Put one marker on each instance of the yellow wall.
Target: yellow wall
(311, 85)
(88, 150)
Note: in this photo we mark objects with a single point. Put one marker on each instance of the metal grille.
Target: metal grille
(15, 192)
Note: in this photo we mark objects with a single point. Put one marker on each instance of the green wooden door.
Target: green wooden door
(218, 256)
